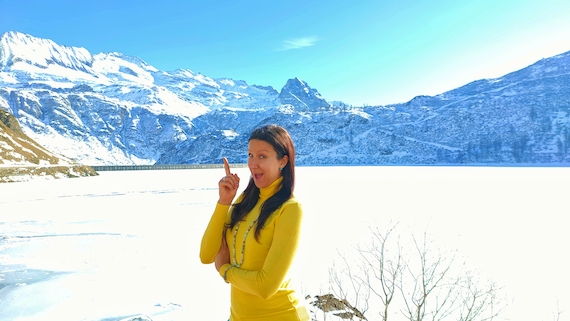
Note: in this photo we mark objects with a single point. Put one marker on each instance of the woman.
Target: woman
(253, 242)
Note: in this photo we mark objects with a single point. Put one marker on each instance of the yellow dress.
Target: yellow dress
(260, 287)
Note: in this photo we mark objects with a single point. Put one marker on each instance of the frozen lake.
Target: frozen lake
(125, 244)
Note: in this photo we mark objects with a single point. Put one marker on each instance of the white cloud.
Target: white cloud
(298, 43)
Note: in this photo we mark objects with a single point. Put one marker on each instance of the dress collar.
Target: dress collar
(268, 191)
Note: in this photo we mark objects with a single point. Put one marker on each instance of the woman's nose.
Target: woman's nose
(251, 162)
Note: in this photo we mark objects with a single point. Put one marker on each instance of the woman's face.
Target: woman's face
(263, 163)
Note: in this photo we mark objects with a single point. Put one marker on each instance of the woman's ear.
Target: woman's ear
(283, 162)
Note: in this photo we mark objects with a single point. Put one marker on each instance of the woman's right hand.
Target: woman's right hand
(228, 185)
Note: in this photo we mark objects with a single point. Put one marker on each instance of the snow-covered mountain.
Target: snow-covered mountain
(109, 108)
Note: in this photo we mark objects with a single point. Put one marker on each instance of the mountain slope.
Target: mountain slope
(522, 117)
(21, 158)
(109, 108)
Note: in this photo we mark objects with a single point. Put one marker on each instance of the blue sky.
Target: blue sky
(360, 52)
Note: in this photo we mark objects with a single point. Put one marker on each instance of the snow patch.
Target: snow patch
(230, 133)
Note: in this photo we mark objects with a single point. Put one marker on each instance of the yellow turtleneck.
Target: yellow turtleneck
(260, 288)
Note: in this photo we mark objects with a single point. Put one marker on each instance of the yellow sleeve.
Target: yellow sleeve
(266, 282)
(212, 238)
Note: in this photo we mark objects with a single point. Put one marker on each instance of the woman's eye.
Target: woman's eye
(250, 155)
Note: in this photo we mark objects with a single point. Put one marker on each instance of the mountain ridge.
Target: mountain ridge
(120, 110)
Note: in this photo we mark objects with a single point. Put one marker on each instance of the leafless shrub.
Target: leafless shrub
(420, 283)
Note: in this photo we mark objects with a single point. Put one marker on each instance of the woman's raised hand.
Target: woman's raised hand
(228, 185)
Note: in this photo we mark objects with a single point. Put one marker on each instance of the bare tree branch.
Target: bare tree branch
(431, 287)
(427, 276)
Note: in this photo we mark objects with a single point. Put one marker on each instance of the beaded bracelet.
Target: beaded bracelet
(224, 276)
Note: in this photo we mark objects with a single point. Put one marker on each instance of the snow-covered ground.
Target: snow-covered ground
(124, 245)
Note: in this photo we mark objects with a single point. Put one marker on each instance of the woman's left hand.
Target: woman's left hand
(223, 256)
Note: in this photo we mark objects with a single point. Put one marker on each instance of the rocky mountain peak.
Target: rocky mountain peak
(300, 95)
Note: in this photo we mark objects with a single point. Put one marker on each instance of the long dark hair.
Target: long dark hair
(281, 141)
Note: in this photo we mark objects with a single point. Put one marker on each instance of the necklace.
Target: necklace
(235, 263)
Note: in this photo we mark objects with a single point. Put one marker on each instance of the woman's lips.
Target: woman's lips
(257, 176)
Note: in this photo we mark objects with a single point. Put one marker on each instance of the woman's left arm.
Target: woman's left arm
(266, 282)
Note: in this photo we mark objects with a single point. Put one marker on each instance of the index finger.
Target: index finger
(226, 166)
